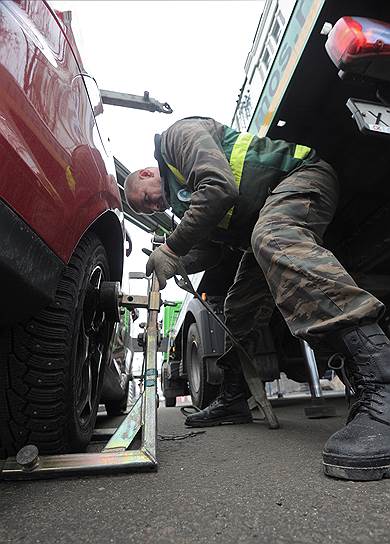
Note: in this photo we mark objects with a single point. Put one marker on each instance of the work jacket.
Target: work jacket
(217, 179)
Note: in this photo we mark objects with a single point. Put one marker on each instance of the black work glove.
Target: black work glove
(164, 262)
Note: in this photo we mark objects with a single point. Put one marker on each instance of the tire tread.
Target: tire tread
(35, 367)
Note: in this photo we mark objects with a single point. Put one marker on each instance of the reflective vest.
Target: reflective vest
(258, 165)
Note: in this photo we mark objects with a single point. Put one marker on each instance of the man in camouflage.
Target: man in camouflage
(274, 200)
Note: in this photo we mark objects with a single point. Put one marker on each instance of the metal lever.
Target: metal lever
(126, 100)
(256, 386)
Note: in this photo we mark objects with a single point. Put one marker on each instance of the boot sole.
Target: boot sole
(224, 421)
(345, 472)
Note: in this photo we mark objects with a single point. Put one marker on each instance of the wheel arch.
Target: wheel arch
(109, 229)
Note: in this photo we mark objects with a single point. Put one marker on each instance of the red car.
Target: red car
(61, 218)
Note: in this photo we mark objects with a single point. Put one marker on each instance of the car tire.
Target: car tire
(202, 393)
(52, 366)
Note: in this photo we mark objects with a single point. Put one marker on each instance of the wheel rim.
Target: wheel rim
(92, 339)
(195, 366)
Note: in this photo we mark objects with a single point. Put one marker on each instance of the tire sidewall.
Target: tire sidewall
(80, 434)
(194, 337)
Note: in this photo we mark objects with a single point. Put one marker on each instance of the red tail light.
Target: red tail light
(361, 46)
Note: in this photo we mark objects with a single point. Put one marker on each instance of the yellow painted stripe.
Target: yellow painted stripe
(238, 155)
(177, 174)
(301, 151)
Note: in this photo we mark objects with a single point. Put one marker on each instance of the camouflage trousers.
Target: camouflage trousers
(289, 267)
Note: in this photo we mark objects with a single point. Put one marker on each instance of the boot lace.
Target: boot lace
(366, 392)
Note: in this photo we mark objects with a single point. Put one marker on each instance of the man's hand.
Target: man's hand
(164, 262)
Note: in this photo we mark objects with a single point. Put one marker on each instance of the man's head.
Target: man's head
(144, 191)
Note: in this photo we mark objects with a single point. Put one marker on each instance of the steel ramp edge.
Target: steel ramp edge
(76, 464)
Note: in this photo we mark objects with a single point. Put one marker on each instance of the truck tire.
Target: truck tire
(52, 366)
(202, 393)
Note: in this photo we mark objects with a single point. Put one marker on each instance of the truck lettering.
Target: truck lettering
(298, 28)
(264, 107)
(300, 16)
(285, 55)
(274, 82)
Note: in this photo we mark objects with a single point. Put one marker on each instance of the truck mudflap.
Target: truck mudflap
(213, 339)
(214, 374)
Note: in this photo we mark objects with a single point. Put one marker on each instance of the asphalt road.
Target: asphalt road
(233, 484)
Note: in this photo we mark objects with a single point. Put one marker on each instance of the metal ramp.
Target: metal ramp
(142, 418)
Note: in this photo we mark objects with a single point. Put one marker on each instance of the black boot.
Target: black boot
(361, 450)
(229, 407)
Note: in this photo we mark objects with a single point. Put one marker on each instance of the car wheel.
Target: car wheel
(202, 393)
(52, 366)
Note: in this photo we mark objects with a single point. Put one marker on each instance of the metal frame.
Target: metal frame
(318, 409)
(126, 100)
(115, 457)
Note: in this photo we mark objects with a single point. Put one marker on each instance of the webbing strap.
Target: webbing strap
(301, 151)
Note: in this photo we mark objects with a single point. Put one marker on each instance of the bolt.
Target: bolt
(28, 457)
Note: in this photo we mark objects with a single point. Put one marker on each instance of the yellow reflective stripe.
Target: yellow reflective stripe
(177, 174)
(301, 151)
(237, 157)
(237, 160)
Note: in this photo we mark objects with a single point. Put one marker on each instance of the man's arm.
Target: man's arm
(202, 257)
(194, 150)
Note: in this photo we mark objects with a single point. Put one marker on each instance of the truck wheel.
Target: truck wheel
(52, 366)
(202, 393)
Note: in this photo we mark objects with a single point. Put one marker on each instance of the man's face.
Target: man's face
(147, 196)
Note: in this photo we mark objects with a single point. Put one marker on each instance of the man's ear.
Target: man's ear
(146, 173)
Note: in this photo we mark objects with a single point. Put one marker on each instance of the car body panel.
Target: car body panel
(56, 172)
